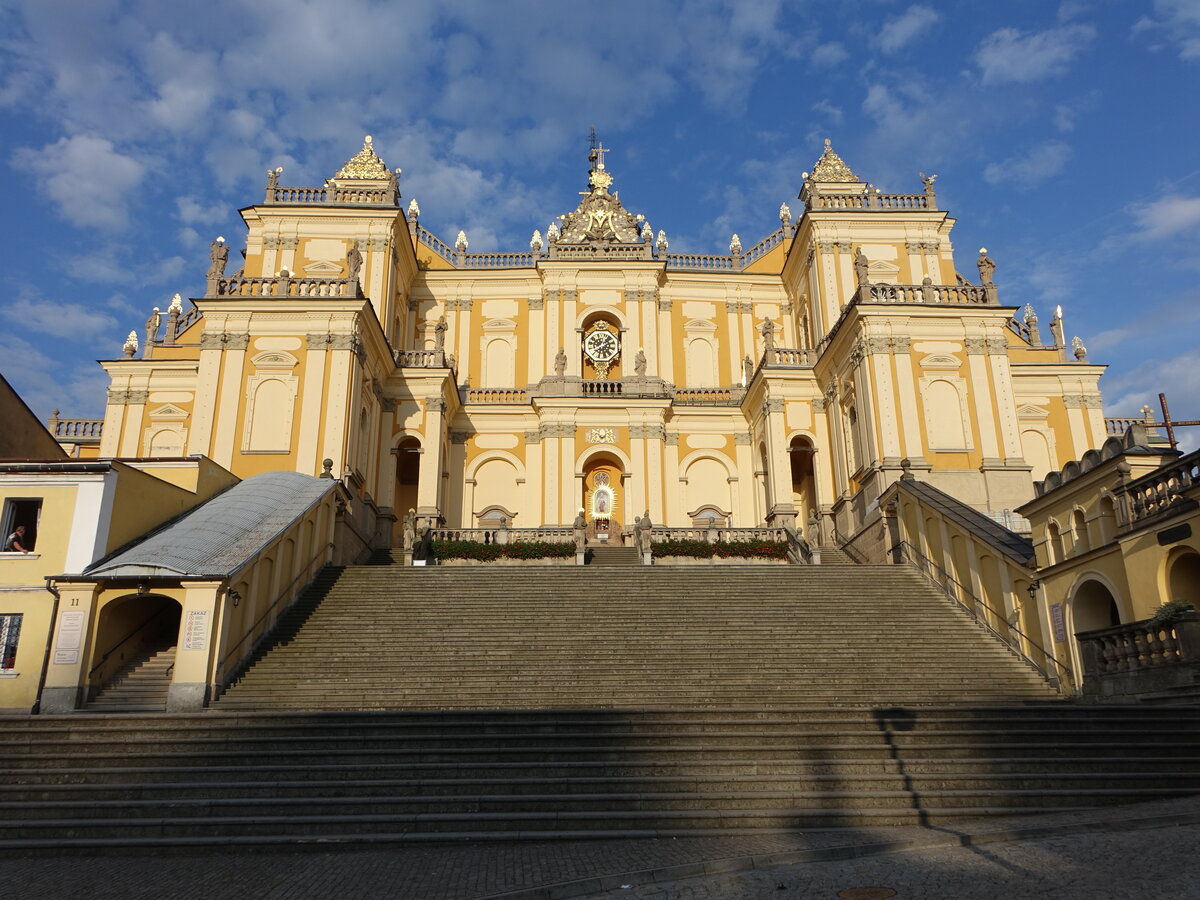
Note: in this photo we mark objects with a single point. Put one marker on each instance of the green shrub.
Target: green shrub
(683, 547)
(1170, 612)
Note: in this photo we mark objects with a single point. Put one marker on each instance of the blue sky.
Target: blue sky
(1064, 136)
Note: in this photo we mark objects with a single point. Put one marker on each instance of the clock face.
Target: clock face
(600, 346)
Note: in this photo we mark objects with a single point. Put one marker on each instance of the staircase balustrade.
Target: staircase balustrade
(493, 396)
(1055, 672)
(719, 396)
(421, 359)
(935, 294)
(785, 357)
(551, 535)
(602, 388)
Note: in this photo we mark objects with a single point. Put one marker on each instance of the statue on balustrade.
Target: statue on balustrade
(987, 267)
(218, 254)
(439, 336)
(639, 363)
(861, 264)
(152, 326)
(767, 329)
(560, 363)
(353, 263)
(423, 548)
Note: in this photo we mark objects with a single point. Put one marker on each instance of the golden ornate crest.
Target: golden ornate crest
(365, 164)
(831, 167)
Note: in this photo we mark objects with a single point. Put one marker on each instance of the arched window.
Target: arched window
(1079, 527)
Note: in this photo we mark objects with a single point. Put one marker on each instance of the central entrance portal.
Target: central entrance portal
(602, 500)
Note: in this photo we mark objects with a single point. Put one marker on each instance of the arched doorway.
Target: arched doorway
(130, 630)
(1093, 607)
(802, 455)
(408, 473)
(1183, 577)
(603, 500)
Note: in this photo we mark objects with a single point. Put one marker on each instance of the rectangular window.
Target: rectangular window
(10, 631)
(25, 514)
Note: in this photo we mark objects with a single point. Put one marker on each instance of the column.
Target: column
(884, 393)
(1004, 399)
(672, 510)
(657, 433)
(333, 438)
(208, 382)
(569, 498)
(456, 492)
(734, 352)
(635, 495)
(535, 352)
(430, 476)
(230, 397)
(666, 350)
(131, 434)
(981, 390)
(311, 388)
(552, 478)
(906, 390)
(535, 484)
(779, 470)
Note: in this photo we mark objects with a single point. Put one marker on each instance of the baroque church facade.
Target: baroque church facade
(783, 383)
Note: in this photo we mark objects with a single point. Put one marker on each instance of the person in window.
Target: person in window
(15, 542)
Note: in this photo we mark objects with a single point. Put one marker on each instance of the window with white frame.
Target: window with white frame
(21, 513)
(10, 631)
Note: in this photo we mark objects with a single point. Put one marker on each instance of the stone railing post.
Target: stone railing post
(1187, 636)
(580, 545)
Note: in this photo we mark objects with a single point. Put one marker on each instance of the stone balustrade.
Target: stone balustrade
(434, 243)
(791, 357)
(187, 320)
(76, 429)
(332, 195)
(868, 199)
(284, 286)
(715, 396)
(1116, 426)
(934, 294)
(703, 262)
(495, 260)
(763, 247)
(550, 534)
(1140, 657)
(712, 535)
(494, 396)
(602, 388)
(421, 359)
(1163, 491)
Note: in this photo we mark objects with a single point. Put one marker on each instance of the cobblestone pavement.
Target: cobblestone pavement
(1139, 865)
(1136, 852)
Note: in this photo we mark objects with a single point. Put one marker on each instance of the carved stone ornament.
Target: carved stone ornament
(671, 438)
(459, 437)
(742, 439)
(435, 404)
(365, 164)
(831, 167)
(773, 405)
(818, 404)
(537, 302)
(532, 437)
(600, 215)
(601, 435)
(976, 346)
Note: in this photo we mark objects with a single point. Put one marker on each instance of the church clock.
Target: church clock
(601, 346)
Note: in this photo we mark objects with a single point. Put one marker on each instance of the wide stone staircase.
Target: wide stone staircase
(389, 637)
(540, 703)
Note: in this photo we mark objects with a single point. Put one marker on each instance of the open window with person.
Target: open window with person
(20, 525)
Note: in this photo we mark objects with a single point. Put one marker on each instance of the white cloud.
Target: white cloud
(834, 113)
(71, 321)
(192, 211)
(47, 383)
(1011, 56)
(86, 177)
(1179, 377)
(1167, 217)
(828, 55)
(1027, 169)
(1177, 23)
(897, 33)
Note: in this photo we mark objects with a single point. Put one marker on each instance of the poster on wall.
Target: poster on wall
(1056, 620)
(195, 629)
(70, 637)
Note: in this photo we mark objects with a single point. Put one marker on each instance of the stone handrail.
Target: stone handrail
(1138, 646)
(284, 286)
(602, 388)
(1021, 330)
(421, 359)
(495, 260)
(188, 319)
(1162, 491)
(332, 195)
(1118, 425)
(705, 262)
(435, 243)
(712, 535)
(77, 429)
(789, 356)
(715, 396)
(868, 199)
(767, 244)
(937, 294)
(494, 395)
(563, 535)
